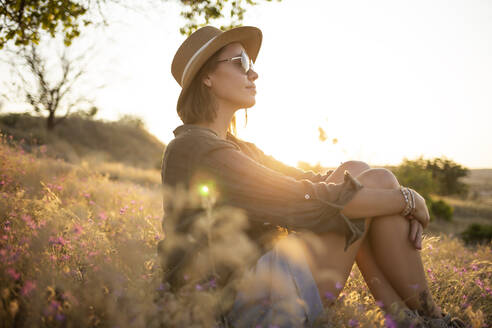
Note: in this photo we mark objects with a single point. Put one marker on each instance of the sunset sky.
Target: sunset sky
(388, 79)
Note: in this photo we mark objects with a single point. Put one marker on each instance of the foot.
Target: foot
(405, 318)
(445, 321)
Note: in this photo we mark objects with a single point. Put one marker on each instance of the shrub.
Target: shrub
(447, 174)
(477, 233)
(413, 174)
(442, 210)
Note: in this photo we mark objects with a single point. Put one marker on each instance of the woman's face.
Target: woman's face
(229, 83)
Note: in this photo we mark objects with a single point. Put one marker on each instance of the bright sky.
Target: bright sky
(388, 79)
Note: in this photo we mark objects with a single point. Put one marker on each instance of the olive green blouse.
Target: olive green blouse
(272, 193)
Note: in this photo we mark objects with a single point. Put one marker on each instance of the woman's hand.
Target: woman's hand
(415, 234)
(421, 213)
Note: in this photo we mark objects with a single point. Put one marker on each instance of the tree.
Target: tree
(23, 20)
(210, 10)
(447, 173)
(413, 174)
(44, 93)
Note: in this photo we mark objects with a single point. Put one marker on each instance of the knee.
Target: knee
(355, 167)
(381, 178)
(368, 222)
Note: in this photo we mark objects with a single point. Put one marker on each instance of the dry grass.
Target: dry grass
(79, 250)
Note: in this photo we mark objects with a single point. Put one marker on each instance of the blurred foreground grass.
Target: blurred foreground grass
(78, 249)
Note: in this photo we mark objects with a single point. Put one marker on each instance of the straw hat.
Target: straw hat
(203, 43)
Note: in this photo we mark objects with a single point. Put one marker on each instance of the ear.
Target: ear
(207, 81)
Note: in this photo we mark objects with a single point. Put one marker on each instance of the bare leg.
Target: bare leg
(390, 265)
(377, 282)
(329, 264)
(388, 260)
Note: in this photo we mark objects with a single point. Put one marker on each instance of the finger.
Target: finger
(419, 236)
(413, 229)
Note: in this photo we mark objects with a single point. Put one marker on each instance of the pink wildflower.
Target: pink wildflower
(77, 229)
(14, 274)
(58, 241)
(29, 286)
(353, 323)
(338, 285)
(123, 209)
(29, 221)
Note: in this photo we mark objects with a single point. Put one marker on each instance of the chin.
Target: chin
(249, 103)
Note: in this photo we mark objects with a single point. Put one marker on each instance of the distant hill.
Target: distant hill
(78, 138)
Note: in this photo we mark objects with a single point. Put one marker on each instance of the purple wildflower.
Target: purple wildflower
(389, 322)
(329, 296)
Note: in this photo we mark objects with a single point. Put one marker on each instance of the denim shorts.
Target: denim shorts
(283, 292)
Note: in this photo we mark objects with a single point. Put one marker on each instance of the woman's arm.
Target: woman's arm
(375, 202)
(369, 202)
(271, 162)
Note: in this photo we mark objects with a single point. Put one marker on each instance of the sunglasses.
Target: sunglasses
(243, 61)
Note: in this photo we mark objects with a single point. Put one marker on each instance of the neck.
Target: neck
(222, 122)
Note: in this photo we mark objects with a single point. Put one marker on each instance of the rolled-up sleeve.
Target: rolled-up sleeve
(270, 196)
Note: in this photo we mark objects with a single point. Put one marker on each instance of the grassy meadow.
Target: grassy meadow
(78, 248)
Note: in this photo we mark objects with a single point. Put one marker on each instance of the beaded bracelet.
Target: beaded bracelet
(413, 200)
(409, 200)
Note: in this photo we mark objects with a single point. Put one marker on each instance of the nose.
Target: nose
(252, 75)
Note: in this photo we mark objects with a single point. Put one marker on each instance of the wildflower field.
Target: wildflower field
(79, 249)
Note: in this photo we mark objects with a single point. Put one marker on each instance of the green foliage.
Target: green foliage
(210, 10)
(439, 175)
(447, 173)
(412, 174)
(442, 210)
(22, 20)
(477, 233)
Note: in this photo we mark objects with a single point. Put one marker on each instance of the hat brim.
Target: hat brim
(249, 36)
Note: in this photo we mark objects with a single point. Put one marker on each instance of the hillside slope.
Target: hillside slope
(78, 138)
